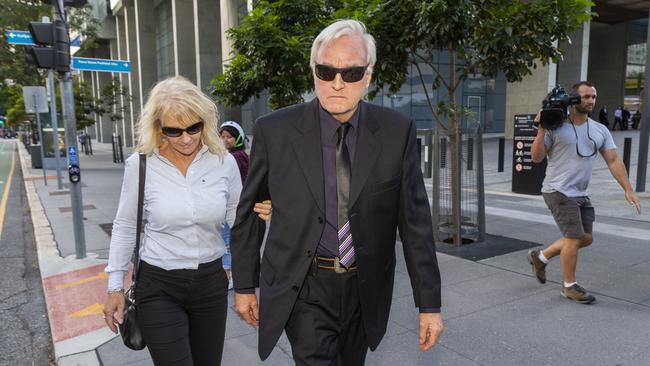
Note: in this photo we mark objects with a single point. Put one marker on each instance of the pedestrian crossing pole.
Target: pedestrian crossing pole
(55, 128)
(67, 104)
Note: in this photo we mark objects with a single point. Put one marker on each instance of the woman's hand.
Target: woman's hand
(114, 310)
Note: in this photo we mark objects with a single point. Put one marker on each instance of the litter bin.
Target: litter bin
(35, 152)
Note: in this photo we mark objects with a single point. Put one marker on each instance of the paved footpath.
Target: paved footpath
(495, 312)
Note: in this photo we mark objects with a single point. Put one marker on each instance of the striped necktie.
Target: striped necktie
(343, 174)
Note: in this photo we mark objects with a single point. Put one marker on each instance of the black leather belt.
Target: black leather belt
(332, 263)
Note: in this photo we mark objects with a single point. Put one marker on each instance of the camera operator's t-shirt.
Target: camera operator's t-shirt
(567, 172)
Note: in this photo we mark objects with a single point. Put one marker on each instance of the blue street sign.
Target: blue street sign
(20, 37)
(99, 64)
(73, 159)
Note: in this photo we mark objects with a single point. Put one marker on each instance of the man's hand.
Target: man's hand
(264, 209)
(114, 310)
(430, 330)
(538, 119)
(632, 199)
(246, 307)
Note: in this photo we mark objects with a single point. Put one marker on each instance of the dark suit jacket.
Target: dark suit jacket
(387, 193)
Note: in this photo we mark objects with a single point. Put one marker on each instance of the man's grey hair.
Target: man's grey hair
(338, 29)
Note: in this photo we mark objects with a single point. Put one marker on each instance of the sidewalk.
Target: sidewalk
(495, 312)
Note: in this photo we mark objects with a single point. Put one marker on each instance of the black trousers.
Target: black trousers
(325, 325)
(183, 313)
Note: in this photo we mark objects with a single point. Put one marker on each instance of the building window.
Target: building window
(164, 39)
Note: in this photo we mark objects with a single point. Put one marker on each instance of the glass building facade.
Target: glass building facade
(484, 98)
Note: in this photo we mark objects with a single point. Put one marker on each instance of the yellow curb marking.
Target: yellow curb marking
(94, 309)
(100, 276)
(5, 195)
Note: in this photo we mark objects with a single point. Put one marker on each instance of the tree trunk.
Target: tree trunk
(455, 141)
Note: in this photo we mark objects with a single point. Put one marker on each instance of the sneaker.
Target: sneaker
(539, 267)
(577, 294)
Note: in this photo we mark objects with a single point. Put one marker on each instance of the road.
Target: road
(26, 337)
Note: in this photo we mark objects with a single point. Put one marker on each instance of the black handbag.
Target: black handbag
(130, 329)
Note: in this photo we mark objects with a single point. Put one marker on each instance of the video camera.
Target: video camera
(555, 107)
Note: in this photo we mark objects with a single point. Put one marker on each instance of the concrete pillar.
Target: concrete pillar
(145, 49)
(208, 42)
(607, 63)
(574, 65)
(114, 45)
(526, 96)
(184, 42)
(229, 12)
(124, 125)
(132, 79)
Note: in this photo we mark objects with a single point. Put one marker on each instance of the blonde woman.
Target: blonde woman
(192, 188)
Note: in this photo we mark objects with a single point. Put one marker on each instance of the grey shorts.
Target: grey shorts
(573, 215)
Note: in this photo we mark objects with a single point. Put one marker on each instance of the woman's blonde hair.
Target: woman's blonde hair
(176, 97)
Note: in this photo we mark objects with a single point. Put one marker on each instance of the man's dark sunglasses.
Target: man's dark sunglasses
(348, 74)
(175, 132)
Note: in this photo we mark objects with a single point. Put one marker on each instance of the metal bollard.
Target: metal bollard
(443, 152)
(470, 153)
(627, 149)
(119, 145)
(113, 142)
(502, 150)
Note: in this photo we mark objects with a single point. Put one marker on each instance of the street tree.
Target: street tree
(459, 38)
(85, 105)
(110, 102)
(15, 107)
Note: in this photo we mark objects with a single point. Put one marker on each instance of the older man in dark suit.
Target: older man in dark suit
(344, 176)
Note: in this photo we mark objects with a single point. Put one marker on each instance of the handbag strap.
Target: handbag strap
(141, 180)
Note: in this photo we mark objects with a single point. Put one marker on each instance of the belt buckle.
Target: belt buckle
(338, 268)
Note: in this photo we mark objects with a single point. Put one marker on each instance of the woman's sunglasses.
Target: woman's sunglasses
(348, 74)
(175, 132)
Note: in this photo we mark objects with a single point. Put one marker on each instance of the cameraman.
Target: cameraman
(571, 149)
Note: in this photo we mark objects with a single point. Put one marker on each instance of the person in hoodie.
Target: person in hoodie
(235, 139)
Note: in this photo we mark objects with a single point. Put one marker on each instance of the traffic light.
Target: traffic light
(2, 121)
(53, 46)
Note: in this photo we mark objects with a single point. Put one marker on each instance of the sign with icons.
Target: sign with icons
(527, 177)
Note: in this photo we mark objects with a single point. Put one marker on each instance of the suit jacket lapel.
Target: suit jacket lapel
(367, 152)
(310, 153)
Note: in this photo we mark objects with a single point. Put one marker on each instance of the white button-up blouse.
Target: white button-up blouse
(183, 214)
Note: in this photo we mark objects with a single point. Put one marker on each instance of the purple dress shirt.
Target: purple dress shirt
(328, 246)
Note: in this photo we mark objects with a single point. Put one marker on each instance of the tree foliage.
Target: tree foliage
(82, 21)
(15, 107)
(272, 48)
(16, 15)
(14, 72)
(478, 36)
(85, 105)
(459, 38)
